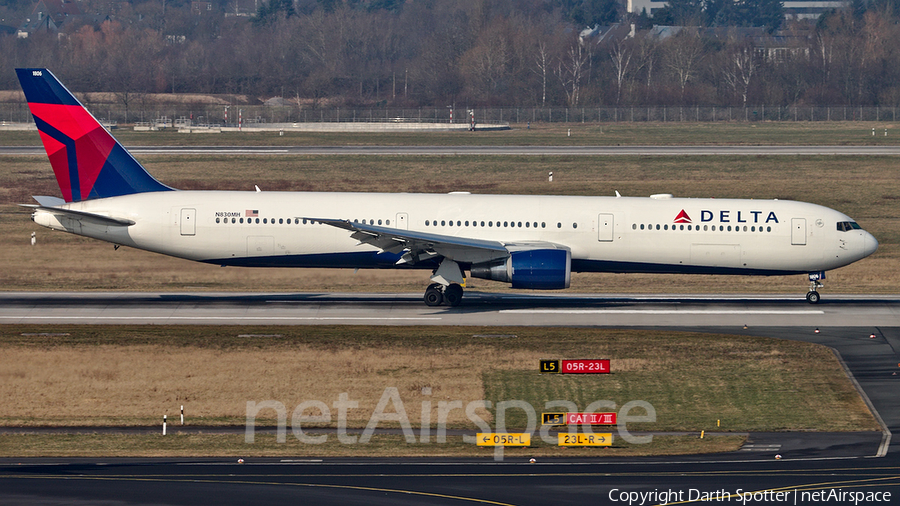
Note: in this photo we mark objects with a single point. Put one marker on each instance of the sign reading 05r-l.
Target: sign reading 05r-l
(501, 439)
(585, 366)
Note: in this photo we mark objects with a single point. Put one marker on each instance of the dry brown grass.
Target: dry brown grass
(139, 384)
(233, 445)
(98, 375)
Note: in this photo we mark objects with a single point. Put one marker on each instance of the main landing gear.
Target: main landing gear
(813, 295)
(437, 294)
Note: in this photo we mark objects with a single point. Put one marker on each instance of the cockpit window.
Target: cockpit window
(846, 226)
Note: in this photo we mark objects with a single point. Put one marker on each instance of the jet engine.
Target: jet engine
(536, 269)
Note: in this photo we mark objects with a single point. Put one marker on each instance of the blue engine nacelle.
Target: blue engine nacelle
(536, 269)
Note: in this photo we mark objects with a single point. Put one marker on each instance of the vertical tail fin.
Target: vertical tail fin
(89, 163)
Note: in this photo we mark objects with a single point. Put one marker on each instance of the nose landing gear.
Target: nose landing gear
(813, 295)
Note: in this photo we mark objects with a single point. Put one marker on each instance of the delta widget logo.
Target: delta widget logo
(683, 217)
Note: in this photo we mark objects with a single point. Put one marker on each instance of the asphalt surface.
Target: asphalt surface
(814, 468)
(499, 150)
(477, 308)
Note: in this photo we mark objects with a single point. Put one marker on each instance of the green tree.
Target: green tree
(273, 10)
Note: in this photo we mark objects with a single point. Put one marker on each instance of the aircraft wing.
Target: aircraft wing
(422, 245)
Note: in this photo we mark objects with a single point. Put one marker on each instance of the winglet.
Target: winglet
(88, 162)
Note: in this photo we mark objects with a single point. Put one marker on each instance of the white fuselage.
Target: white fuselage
(609, 234)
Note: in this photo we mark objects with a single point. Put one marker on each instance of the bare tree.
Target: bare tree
(647, 52)
(620, 53)
(570, 71)
(485, 65)
(739, 69)
(685, 51)
(542, 68)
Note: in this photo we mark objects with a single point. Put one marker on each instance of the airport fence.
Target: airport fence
(213, 115)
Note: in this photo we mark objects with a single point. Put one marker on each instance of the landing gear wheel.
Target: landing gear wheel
(812, 297)
(453, 295)
(433, 295)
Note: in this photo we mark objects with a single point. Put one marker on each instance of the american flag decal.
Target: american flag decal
(251, 213)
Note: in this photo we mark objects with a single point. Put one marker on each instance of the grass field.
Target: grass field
(121, 376)
(233, 445)
(98, 375)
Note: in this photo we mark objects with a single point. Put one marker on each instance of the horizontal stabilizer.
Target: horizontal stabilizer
(81, 215)
(47, 201)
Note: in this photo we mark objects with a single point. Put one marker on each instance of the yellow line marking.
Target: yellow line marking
(247, 482)
(810, 487)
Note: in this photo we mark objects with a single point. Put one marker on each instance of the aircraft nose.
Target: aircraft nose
(870, 244)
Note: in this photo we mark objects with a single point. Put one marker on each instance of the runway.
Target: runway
(477, 308)
(863, 330)
(497, 150)
(417, 482)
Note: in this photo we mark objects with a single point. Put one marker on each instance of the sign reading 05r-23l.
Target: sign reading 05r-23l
(579, 366)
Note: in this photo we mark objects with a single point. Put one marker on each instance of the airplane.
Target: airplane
(528, 241)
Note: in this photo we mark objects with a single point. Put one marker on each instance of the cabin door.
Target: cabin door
(188, 221)
(402, 221)
(798, 231)
(605, 227)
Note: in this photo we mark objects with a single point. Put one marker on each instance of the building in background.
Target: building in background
(793, 9)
